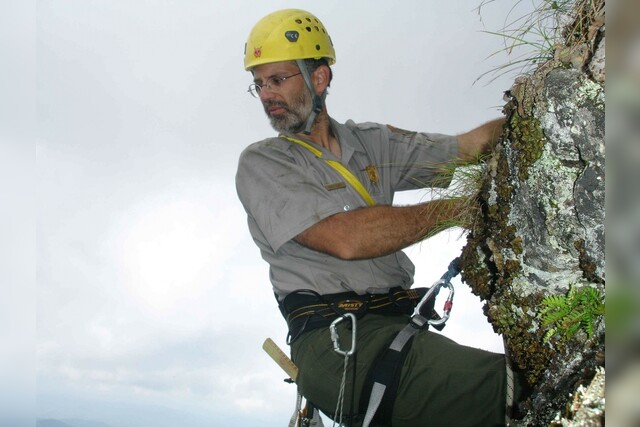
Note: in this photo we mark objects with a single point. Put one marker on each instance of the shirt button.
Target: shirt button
(346, 207)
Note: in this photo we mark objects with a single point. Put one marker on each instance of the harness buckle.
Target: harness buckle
(336, 339)
(418, 321)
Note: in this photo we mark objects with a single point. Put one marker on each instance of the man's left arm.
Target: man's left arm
(480, 140)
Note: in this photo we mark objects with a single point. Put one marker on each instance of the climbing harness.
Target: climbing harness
(385, 373)
(346, 353)
(339, 167)
(305, 310)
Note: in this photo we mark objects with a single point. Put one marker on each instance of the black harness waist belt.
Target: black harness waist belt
(305, 310)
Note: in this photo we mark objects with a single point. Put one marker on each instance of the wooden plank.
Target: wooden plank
(280, 358)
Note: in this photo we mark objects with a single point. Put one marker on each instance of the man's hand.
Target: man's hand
(480, 140)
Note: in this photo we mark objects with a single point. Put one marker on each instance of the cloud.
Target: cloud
(152, 299)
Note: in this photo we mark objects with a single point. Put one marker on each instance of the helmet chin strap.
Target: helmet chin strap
(318, 100)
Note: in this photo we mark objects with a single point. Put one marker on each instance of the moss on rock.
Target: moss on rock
(539, 232)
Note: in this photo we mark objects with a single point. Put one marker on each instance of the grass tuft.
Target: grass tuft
(459, 205)
(551, 29)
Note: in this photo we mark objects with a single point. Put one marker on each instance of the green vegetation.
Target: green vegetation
(567, 314)
(456, 188)
(554, 29)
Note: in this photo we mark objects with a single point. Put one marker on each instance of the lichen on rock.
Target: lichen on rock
(542, 230)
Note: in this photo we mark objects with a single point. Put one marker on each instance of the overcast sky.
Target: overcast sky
(152, 300)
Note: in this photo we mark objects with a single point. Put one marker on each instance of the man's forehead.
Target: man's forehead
(266, 70)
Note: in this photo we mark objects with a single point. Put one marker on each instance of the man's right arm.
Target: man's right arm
(480, 140)
(378, 230)
(381, 230)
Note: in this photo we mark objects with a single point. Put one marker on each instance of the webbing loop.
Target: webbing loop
(453, 270)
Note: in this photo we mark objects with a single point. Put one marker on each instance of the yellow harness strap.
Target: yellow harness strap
(339, 167)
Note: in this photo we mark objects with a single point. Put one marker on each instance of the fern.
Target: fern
(565, 315)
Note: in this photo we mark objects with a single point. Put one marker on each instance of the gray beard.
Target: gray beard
(295, 116)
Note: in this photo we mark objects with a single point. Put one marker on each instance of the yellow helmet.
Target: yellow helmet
(287, 35)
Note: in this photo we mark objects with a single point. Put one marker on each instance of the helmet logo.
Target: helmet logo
(257, 52)
(292, 36)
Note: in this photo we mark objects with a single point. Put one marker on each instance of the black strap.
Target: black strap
(386, 371)
(305, 310)
(381, 387)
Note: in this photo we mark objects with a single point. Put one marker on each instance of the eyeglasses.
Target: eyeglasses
(272, 83)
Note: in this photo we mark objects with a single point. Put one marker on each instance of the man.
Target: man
(319, 203)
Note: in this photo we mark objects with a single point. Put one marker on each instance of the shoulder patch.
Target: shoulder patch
(362, 126)
(399, 131)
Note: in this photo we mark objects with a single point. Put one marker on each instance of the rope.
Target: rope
(340, 404)
(510, 398)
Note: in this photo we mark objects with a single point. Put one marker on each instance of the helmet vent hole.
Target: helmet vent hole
(298, 21)
(308, 29)
(316, 28)
(308, 20)
(317, 47)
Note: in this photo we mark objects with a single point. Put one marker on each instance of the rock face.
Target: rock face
(542, 233)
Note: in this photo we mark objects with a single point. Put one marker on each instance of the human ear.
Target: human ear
(321, 78)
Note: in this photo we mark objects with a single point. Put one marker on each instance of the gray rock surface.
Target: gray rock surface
(542, 231)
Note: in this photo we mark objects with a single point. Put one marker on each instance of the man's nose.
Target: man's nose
(266, 93)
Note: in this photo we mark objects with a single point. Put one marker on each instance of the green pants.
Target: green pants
(442, 383)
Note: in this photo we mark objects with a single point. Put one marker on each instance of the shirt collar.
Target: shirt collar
(348, 142)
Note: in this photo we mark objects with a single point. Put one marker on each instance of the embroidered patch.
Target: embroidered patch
(336, 186)
(372, 173)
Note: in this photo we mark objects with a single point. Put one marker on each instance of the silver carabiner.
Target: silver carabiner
(336, 339)
(433, 291)
(448, 304)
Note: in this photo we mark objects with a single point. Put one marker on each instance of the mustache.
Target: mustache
(282, 104)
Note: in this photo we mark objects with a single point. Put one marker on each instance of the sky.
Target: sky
(148, 302)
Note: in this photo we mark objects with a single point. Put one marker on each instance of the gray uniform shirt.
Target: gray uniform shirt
(285, 189)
